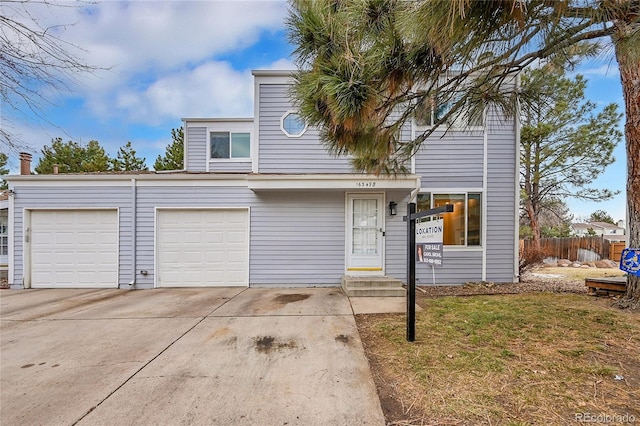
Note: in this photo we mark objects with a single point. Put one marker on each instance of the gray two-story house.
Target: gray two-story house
(261, 203)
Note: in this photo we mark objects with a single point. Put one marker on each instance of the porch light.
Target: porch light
(393, 208)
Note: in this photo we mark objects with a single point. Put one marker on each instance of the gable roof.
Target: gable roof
(595, 225)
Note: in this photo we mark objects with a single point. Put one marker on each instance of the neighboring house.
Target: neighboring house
(261, 203)
(4, 236)
(607, 230)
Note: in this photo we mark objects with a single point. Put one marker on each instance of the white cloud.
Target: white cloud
(213, 89)
(149, 37)
(604, 70)
(281, 64)
(163, 55)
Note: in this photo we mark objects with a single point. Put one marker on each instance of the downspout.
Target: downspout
(134, 188)
(485, 174)
(414, 192)
(10, 237)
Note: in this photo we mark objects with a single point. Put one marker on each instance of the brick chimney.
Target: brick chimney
(25, 163)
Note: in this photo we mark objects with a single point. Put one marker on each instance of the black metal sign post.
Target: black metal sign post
(411, 218)
(411, 273)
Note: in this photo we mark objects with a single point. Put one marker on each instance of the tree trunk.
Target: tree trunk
(629, 62)
(533, 223)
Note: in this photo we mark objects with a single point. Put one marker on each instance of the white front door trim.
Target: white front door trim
(362, 263)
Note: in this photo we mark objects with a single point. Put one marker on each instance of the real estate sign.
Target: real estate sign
(429, 242)
(430, 232)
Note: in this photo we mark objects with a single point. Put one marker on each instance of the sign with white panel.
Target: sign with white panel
(430, 232)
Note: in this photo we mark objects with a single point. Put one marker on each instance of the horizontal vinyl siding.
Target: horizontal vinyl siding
(298, 239)
(281, 154)
(196, 149)
(396, 237)
(458, 267)
(69, 198)
(501, 201)
(451, 161)
(230, 166)
(188, 197)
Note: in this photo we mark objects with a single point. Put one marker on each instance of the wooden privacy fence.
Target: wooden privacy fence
(615, 251)
(577, 248)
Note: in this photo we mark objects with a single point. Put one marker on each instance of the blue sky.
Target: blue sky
(175, 59)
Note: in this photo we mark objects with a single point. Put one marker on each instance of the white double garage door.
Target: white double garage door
(193, 248)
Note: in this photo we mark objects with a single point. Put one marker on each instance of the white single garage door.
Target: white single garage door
(74, 248)
(202, 247)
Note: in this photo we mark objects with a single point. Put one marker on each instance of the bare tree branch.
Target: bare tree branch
(35, 61)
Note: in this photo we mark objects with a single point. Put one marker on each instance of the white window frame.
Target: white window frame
(230, 127)
(292, 135)
(465, 192)
(231, 157)
(4, 234)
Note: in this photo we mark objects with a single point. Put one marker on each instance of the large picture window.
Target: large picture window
(463, 226)
(228, 145)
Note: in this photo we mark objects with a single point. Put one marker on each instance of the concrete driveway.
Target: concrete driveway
(183, 357)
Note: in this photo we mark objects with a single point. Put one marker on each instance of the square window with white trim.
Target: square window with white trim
(462, 227)
(230, 145)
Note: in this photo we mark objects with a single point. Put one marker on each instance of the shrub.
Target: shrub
(530, 256)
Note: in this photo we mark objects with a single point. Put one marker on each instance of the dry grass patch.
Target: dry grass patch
(511, 359)
(579, 274)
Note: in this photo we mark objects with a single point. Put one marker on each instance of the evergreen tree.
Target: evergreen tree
(565, 145)
(601, 216)
(72, 157)
(95, 158)
(126, 160)
(173, 158)
(3, 169)
(363, 62)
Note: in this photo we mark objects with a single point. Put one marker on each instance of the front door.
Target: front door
(365, 231)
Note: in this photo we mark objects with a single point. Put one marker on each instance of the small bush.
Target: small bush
(529, 257)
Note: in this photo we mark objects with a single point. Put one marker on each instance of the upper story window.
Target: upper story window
(228, 145)
(462, 227)
(434, 108)
(292, 124)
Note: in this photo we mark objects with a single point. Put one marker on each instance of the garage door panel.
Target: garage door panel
(193, 248)
(232, 276)
(86, 238)
(74, 248)
(213, 237)
(235, 237)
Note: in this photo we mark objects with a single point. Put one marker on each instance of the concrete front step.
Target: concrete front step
(372, 287)
(375, 292)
